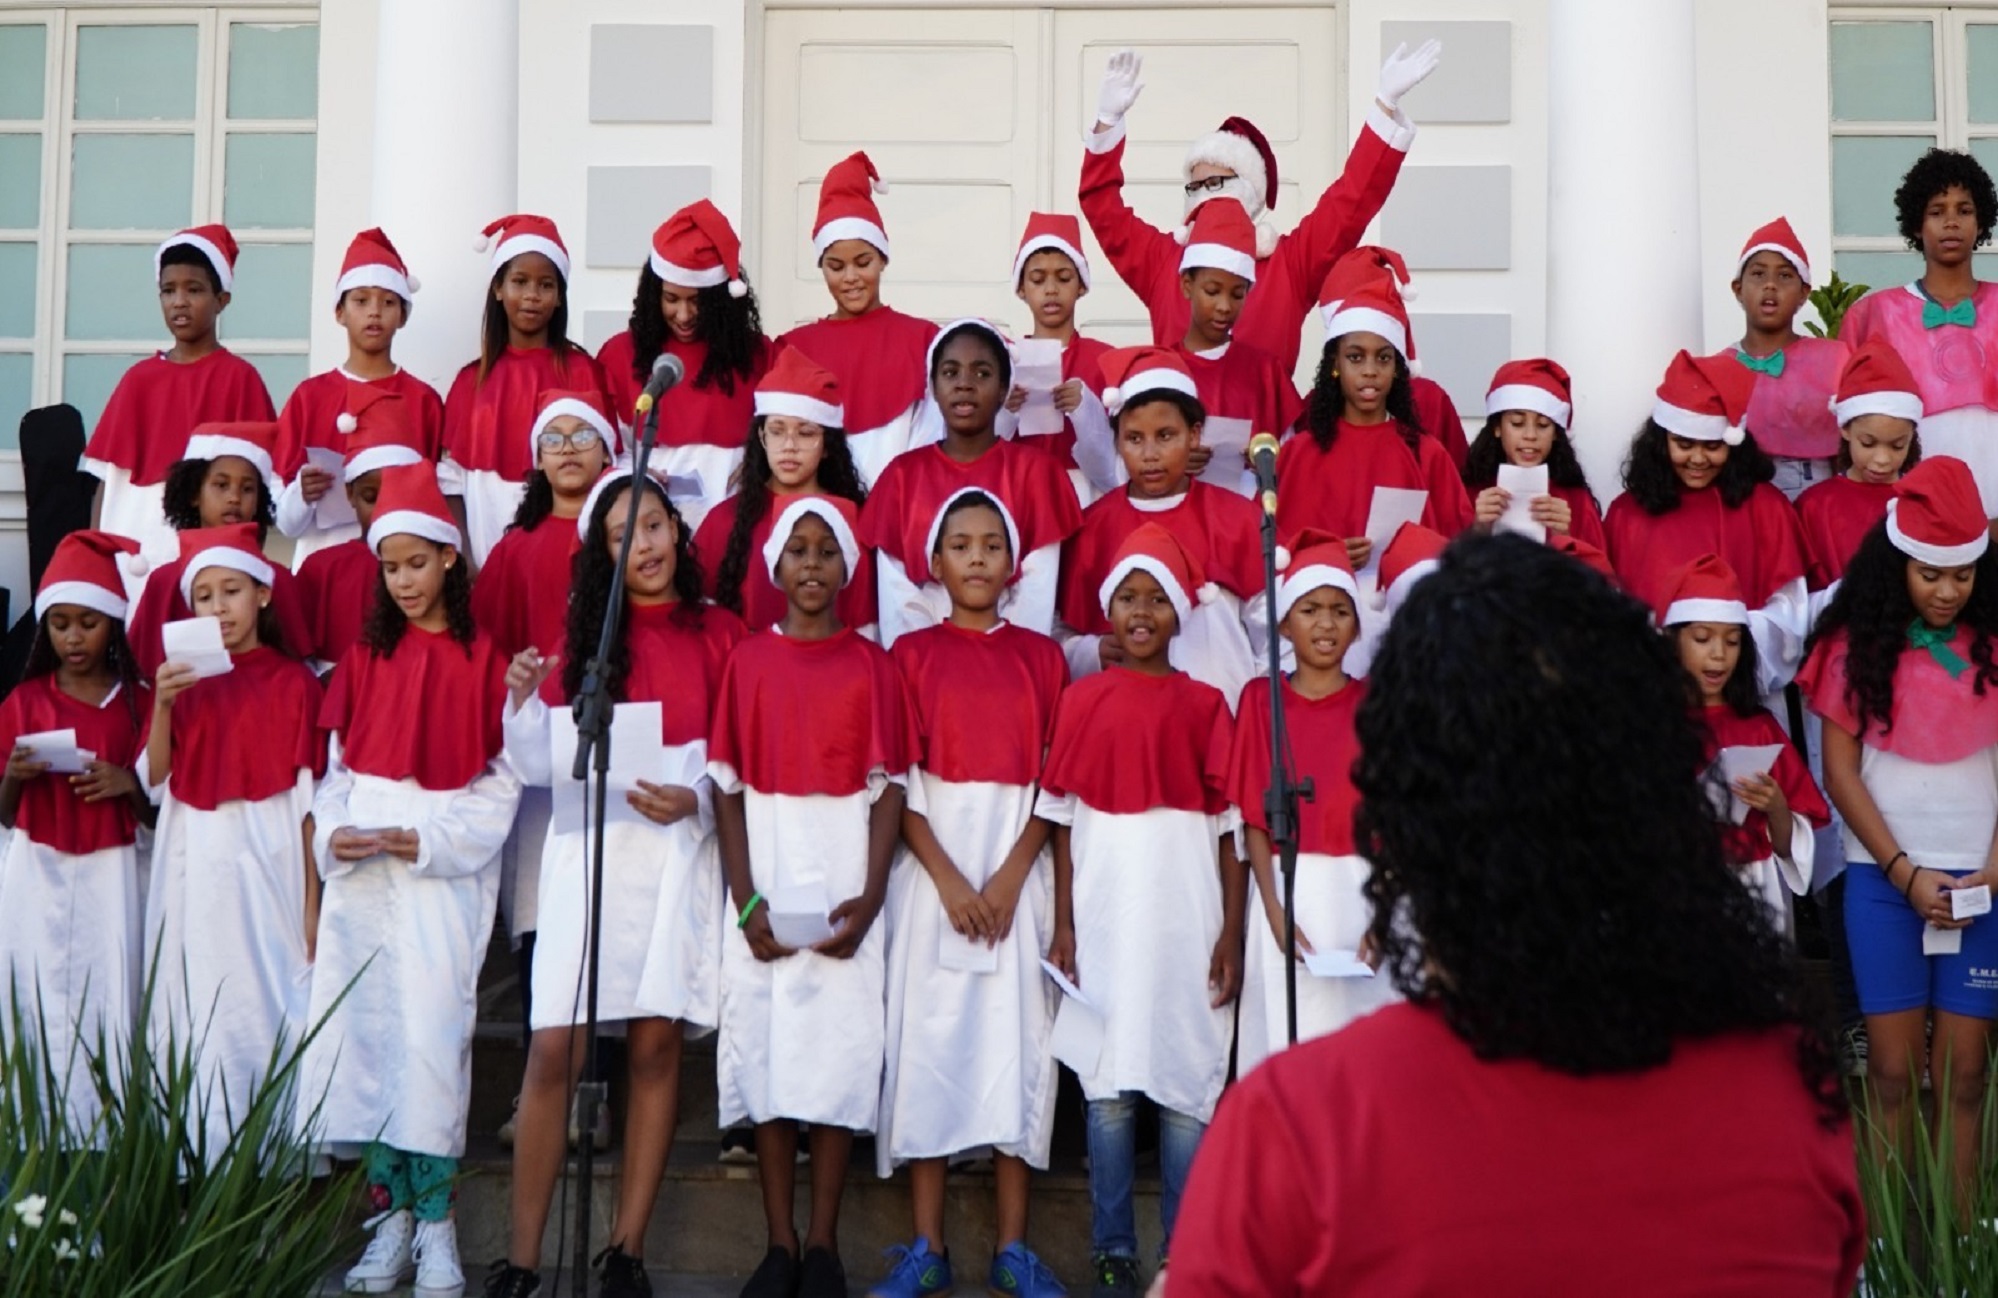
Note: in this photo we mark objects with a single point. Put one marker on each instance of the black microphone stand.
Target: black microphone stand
(1280, 802)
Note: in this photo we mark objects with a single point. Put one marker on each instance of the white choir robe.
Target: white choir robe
(967, 1053)
(1029, 602)
(395, 986)
(1776, 878)
(1970, 433)
(1224, 643)
(520, 863)
(699, 476)
(490, 503)
(872, 448)
(1778, 629)
(135, 511)
(300, 521)
(1333, 913)
(804, 1037)
(1147, 900)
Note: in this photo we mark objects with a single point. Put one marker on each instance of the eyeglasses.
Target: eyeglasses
(580, 440)
(1210, 183)
(809, 435)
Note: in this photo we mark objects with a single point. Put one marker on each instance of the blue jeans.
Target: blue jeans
(1113, 1158)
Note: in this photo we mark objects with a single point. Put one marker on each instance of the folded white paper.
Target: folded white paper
(800, 916)
(1523, 483)
(1336, 964)
(964, 954)
(1738, 762)
(684, 486)
(57, 750)
(1941, 941)
(1077, 1038)
(1062, 980)
(332, 509)
(1969, 903)
(1229, 440)
(637, 752)
(1391, 507)
(1037, 368)
(196, 642)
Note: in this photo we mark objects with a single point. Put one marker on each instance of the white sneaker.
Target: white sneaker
(386, 1264)
(438, 1274)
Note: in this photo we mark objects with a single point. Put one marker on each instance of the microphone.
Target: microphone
(666, 371)
(1262, 459)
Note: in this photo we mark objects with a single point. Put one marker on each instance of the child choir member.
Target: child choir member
(1877, 410)
(1795, 375)
(1050, 274)
(1527, 409)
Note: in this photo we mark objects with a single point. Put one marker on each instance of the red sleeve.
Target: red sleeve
(722, 746)
(458, 410)
(336, 709)
(1585, 520)
(1779, 544)
(1335, 225)
(1799, 789)
(1139, 252)
(882, 518)
(149, 614)
(895, 741)
(1440, 420)
(1449, 506)
(288, 457)
(494, 609)
(1247, 1226)
(113, 440)
(1249, 756)
(311, 751)
(288, 606)
(1214, 766)
(12, 727)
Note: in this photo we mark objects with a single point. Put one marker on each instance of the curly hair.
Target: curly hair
(1481, 466)
(1739, 693)
(837, 477)
(1935, 173)
(1872, 606)
(590, 587)
(732, 327)
(1328, 400)
(984, 334)
(42, 661)
(1651, 481)
(537, 502)
(495, 332)
(1491, 902)
(180, 498)
(386, 620)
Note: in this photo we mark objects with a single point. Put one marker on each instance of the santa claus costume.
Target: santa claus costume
(878, 355)
(493, 399)
(70, 885)
(1083, 443)
(226, 910)
(1540, 387)
(146, 422)
(1836, 514)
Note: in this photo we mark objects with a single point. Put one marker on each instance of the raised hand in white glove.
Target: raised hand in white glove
(1120, 87)
(1404, 71)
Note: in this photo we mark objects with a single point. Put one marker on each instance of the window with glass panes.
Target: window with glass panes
(119, 127)
(1904, 80)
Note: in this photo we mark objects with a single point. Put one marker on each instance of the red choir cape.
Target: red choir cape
(674, 663)
(1954, 367)
(880, 360)
(486, 425)
(246, 734)
(982, 703)
(337, 588)
(1081, 358)
(161, 603)
(798, 718)
(763, 605)
(903, 505)
(1126, 743)
(145, 424)
(1219, 530)
(689, 415)
(1748, 842)
(430, 711)
(1324, 747)
(50, 813)
(1334, 490)
(1759, 539)
(1287, 282)
(1938, 718)
(521, 596)
(310, 419)
(1245, 382)
(1585, 516)
(1835, 515)
(1435, 412)
(1791, 414)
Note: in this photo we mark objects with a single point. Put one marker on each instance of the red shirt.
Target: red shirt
(1334, 490)
(1323, 749)
(245, 735)
(879, 359)
(1758, 538)
(521, 595)
(336, 587)
(1386, 1159)
(1126, 742)
(146, 423)
(902, 508)
(1244, 382)
(798, 718)
(1748, 842)
(763, 605)
(160, 603)
(1836, 515)
(51, 813)
(982, 702)
(487, 421)
(310, 419)
(689, 414)
(1218, 529)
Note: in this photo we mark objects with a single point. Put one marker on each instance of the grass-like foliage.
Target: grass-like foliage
(1924, 1243)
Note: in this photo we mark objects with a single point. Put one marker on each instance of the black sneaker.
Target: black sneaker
(738, 1146)
(1116, 1277)
(624, 1275)
(821, 1275)
(775, 1277)
(505, 1280)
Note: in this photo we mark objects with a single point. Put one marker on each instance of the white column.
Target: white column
(1623, 232)
(446, 156)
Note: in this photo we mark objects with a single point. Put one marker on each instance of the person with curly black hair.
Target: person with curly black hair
(1902, 669)
(1605, 1053)
(1945, 324)
(1696, 483)
(1527, 409)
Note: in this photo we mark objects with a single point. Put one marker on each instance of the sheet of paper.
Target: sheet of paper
(684, 486)
(1523, 483)
(637, 752)
(965, 954)
(1077, 1038)
(197, 642)
(1037, 368)
(332, 509)
(1969, 903)
(1229, 440)
(58, 750)
(1345, 963)
(1062, 980)
(1392, 506)
(1739, 761)
(1941, 941)
(799, 916)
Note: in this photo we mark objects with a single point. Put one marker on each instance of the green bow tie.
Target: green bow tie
(1772, 364)
(1936, 640)
(1935, 315)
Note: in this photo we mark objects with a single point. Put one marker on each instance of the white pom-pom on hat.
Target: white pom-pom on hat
(1113, 401)
(877, 184)
(134, 565)
(1734, 434)
(1283, 557)
(346, 423)
(1415, 369)
(1181, 235)
(738, 289)
(1207, 594)
(415, 284)
(1408, 292)
(483, 243)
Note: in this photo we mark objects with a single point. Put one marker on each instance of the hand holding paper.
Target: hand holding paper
(1392, 506)
(196, 642)
(1037, 370)
(1741, 762)
(55, 751)
(1523, 484)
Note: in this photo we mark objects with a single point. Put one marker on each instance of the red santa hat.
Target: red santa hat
(512, 236)
(1237, 145)
(1538, 385)
(1876, 381)
(696, 247)
(1778, 237)
(1936, 515)
(1703, 590)
(798, 387)
(835, 512)
(1130, 372)
(1366, 291)
(1051, 232)
(1412, 553)
(373, 262)
(89, 569)
(1005, 517)
(1314, 559)
(979, 323)
(1704, 398)
(233, 546)
(1362, 266)
(376, 424)
(411, 504)
(1221, 237)
(1151, 549)
(1584, 553)
(254, 440)
(211, 241)
(586, 406)
(846, 205)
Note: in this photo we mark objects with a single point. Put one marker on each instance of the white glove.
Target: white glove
(1120, 87)
(1404, 71)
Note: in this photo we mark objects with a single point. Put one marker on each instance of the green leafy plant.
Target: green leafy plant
(1832, 299)
(1920, 1246)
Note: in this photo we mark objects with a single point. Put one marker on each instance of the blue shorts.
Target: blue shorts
(1884, 935)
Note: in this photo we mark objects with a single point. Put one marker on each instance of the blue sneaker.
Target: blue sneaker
(916, 1273)
(1017, 1273)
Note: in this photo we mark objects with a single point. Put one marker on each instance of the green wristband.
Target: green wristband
(748, 909)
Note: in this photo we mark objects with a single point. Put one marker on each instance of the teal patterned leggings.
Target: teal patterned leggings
(398, 1179)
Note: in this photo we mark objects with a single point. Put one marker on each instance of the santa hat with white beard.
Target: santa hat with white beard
(1237, 145)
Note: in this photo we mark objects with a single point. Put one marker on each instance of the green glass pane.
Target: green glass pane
(112, 293)
(1982, 56)
(20, 182)
(23, 65)
(1883, 72)
(273, 72)
(281, 374)
(17, 289)
(87, 382)
(1878, 269)
(268, 182)
(273, 297)
(131, 182)
(1866, 169)
(17, 395)
(135, 74)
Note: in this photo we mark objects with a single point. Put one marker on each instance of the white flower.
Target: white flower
(66, 1217)
(65, 1251)
(30, 1209)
